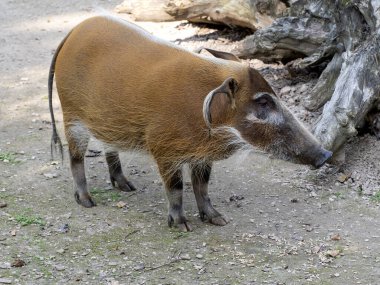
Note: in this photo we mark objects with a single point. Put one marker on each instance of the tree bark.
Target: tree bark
(357, 89)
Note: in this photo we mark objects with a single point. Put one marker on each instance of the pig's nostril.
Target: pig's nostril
(324, 158)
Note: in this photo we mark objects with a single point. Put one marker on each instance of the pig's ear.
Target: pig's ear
(220, 54)
(227, 88)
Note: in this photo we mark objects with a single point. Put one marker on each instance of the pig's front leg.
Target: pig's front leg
(200, 175)
(174, 190)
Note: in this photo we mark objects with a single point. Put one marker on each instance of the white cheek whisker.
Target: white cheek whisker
(273, 118)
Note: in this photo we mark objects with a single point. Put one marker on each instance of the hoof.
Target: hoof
(183, 226)
(123, 184)
(84, 201)
(219, 221)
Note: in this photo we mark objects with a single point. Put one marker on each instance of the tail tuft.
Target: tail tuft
(56, 141)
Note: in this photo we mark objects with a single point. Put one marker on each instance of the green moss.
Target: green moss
(376, 198)
(103, 195)
(7, 157)
(339, 195)
(25, 220)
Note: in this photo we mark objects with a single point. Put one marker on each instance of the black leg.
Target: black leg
(116, 173)
(200, 176)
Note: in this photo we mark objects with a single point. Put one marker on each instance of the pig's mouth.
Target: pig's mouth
(315, 159)
(324, 158)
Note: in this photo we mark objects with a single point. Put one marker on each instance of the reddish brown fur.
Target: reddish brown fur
(134, 91)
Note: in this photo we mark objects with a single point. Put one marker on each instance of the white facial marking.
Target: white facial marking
(252, 118)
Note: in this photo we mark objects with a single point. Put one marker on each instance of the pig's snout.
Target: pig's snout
(324, 156)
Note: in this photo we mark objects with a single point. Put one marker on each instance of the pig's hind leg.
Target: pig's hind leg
(116, 172)
(77, 137)
(200, 176)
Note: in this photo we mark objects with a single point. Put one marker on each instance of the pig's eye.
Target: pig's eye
(263, 100)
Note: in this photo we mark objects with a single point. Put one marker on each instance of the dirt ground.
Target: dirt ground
(288, 224)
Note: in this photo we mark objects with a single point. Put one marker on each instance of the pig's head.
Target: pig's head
(262, 120)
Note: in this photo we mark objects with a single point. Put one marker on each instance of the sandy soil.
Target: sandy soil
(289, 225)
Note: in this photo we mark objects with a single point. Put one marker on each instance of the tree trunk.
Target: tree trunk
(357, 89)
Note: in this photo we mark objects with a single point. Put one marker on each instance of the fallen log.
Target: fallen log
(252, 14)
(288, 38)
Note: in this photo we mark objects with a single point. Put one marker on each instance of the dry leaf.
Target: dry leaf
(333, 253)
(121, 204)
(335, 237)
(18, 263)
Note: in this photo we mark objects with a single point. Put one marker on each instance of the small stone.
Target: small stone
(3, 204)
(199, 256)
(336, 275)
(86, 252)
(199, 267)
(59, 267)
(309, 228)
(64, 228)
(61, 250)
(316, 249)
(294, 200)
(50, 175)
(285, 90)
(298, 238)
(5, 265)
(313, 194)
(112, 263)
(139, 267)
(18, 263)
(185, 257)
(5, 281)
(67, 215)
